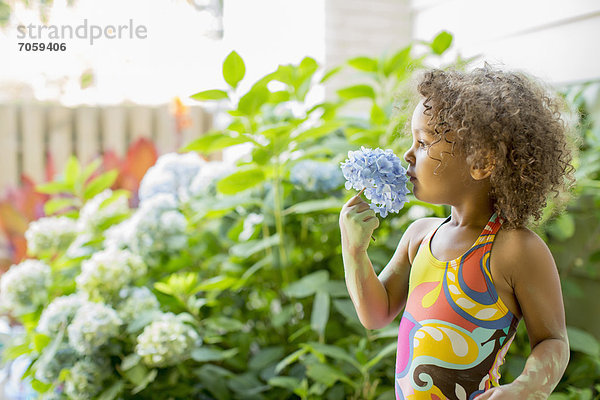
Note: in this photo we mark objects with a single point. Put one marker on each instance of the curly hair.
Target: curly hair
(510, 120)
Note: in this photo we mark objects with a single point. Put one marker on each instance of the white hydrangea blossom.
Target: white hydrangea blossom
(136, 300)
(121, 235)
(94, 325)
(48, 369)
(50, 234)
(166, 341)
(171, 174)
(59, 313)
(24, 287)
(157, 227)
(86, 378)
(107, 272)
(92, 216)
(203, 182)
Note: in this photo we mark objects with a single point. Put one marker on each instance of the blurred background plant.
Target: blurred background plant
(247, 282)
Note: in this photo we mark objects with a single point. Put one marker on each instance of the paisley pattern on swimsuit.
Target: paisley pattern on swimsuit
(455, 330)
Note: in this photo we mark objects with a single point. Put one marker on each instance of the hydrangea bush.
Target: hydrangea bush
(227, 281)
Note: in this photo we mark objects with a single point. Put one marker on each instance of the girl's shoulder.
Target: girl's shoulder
(418, 231)
(513, 249)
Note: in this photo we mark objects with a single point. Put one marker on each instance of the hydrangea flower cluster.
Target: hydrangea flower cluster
(50, 234)
(107, 272)
(172, 174)
(59, 314)
(156, 227)
(166, 341)
(204, 181)
(136, 301)
(48, 369)
(316, 176)
(94, 213)
(24, 287)
(381, 173)
(93, 326)
(86, 377)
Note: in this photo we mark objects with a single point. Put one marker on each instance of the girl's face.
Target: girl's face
(439, 174)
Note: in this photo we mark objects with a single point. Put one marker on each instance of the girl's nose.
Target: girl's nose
(408, 156)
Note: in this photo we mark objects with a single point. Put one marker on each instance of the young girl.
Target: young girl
(492, 145)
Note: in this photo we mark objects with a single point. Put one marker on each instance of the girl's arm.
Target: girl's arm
(377, 300)
(536, 284)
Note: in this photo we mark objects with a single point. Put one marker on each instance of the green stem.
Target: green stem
(278, 208)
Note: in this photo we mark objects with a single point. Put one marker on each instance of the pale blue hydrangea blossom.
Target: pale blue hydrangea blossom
(204, 181)
(316, 176)
(107, 272)
(135, 301)
(383, 176)
(93, 326)
(94, 213)
(166, 341)
(50, 234)
(156, 227)
(24, 287)
(172, 174)
(86, 378)
(59, 314)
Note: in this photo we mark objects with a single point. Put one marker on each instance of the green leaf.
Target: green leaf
(399, 61)
(329, 74)
(251, 247)
(378, 116)
(317, 132)
(337, 353)
(130, 361)
(216, 283)
(233, 69)
(241, 180)
(54, 188)
(309, 206)
(216, 141)
(148, 378)
(214, 94)
(57, 204)
(320, 312)
(113, 391)
(72, 170)
(251, 102)
(385, 352)
(356, 91)
(583, 342)
(346, 308)
(327, 375)
(40, 341)
(100, 183)
(4, 13)
(205, 354)
(307, 285)
(366, 64)
(562, 227)
(286, 382)
(441, 42)
(265, 357)
(292, 358)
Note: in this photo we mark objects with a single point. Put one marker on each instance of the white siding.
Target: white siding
(553, 39)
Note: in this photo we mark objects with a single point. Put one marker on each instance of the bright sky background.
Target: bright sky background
(176, 59)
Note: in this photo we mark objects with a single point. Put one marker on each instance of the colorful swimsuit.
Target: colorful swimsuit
(455, 330)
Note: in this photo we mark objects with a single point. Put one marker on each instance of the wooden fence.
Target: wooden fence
(31, 131)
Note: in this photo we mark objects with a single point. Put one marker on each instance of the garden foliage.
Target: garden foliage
(227, 281)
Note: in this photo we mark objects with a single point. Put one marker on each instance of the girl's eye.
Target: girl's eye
(421, 144)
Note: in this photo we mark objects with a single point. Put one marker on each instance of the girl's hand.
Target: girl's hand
(513, 391)
(357, 223)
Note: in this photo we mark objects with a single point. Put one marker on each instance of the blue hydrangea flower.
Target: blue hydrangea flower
(316, 176)
(380, 172)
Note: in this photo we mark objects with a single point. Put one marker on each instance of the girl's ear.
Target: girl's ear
(483, 170)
